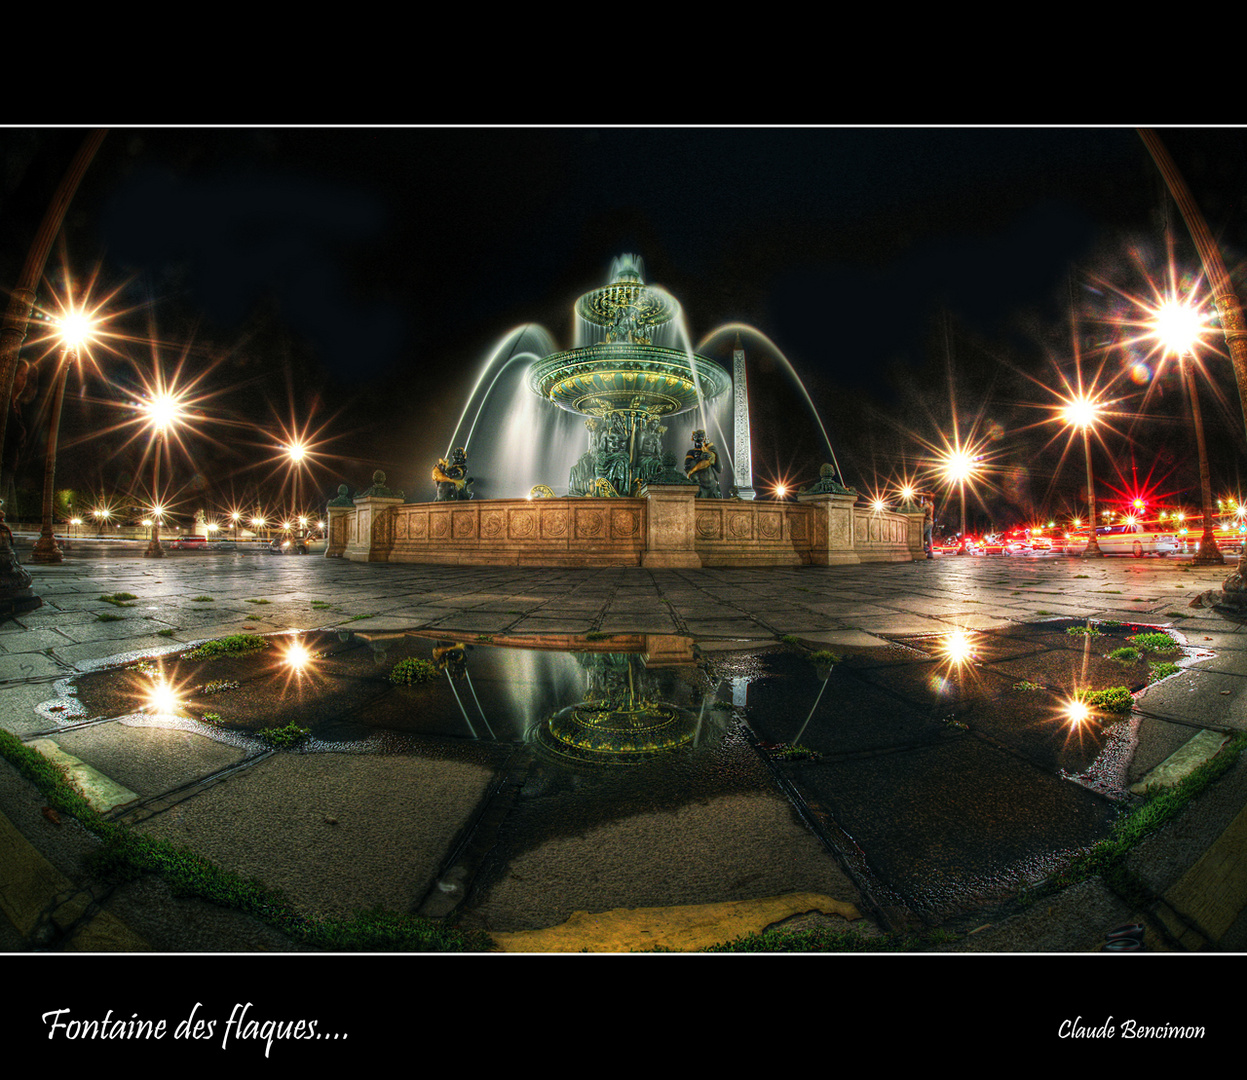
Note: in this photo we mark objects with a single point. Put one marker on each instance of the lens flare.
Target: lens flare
(162, 698)
(1078, 713)
(297, 657)
(958, 647)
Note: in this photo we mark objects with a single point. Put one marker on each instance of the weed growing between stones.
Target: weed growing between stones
(1155, 642)
(412, 672)
(233, 645)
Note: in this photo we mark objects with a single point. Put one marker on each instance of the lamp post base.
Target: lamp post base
(1208, 554)
(1092, 551)
(153, 549)
(16, 595)
(47, 550)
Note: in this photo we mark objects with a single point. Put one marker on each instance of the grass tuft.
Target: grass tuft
(1156, 642)
(233, 645)
(413, 671)
(1116, 699)
(1162, 671)
(283, 738)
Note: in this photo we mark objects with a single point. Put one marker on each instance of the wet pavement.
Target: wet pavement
(668, 752)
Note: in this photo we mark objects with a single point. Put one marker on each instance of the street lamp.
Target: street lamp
(1229, 311)
(1178, 327)
(164, 411)
(1081, 413)
(959, 466)
(74, 330)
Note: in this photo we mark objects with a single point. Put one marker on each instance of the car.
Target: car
(1073, 543)
(189, 543)
(288, 546)
(1138, 539)
(985, 545)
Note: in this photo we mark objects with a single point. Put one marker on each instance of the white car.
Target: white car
(1137, 539)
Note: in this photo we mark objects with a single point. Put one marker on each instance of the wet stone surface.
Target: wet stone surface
(615, 772)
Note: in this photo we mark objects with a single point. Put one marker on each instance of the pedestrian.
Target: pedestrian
(928, 524)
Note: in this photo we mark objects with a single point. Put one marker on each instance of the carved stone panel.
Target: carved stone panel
(465, 524)
(522, 524)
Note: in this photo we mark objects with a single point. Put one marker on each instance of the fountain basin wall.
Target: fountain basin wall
(668, 528)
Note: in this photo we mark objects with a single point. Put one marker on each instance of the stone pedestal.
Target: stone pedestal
(340, 520)
(670, 531)
(831, 529)
(917, 548)
(372, 538)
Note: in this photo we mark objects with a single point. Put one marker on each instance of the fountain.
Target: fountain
(625, 383)
(630, 377)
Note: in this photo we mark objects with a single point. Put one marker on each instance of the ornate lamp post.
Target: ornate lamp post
(1081, 413)
(74, 331)
(1178, 327)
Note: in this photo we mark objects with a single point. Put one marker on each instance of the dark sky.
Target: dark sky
(355, 279)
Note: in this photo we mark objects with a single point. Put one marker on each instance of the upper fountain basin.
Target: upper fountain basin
(624, 376)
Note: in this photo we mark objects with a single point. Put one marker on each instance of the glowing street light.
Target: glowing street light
(1178, 327)
(74, 330)
(163, 412)
(1082, 412)
(958, 466)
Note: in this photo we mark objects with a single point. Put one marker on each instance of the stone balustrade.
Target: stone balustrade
(668, 528)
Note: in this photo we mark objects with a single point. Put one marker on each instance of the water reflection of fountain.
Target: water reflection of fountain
(622, 719)
(643, 698)
(633, 378)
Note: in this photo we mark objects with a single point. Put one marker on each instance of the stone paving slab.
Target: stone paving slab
(295, 821)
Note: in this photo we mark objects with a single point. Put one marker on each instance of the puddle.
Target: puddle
(939, 773)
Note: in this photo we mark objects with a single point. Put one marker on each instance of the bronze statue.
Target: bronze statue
(701, 464)
(451, 477)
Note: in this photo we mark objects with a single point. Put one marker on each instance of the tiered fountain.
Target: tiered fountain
(631, 371)
(626, 381)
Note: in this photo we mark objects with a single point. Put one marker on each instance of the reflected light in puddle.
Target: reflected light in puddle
(958, 647)
(1077, 713)
(296, 657)
(162, 698)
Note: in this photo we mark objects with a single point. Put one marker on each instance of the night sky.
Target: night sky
(352, 281)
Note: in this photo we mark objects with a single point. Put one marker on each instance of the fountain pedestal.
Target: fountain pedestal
(670, 527)
(371, 539)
